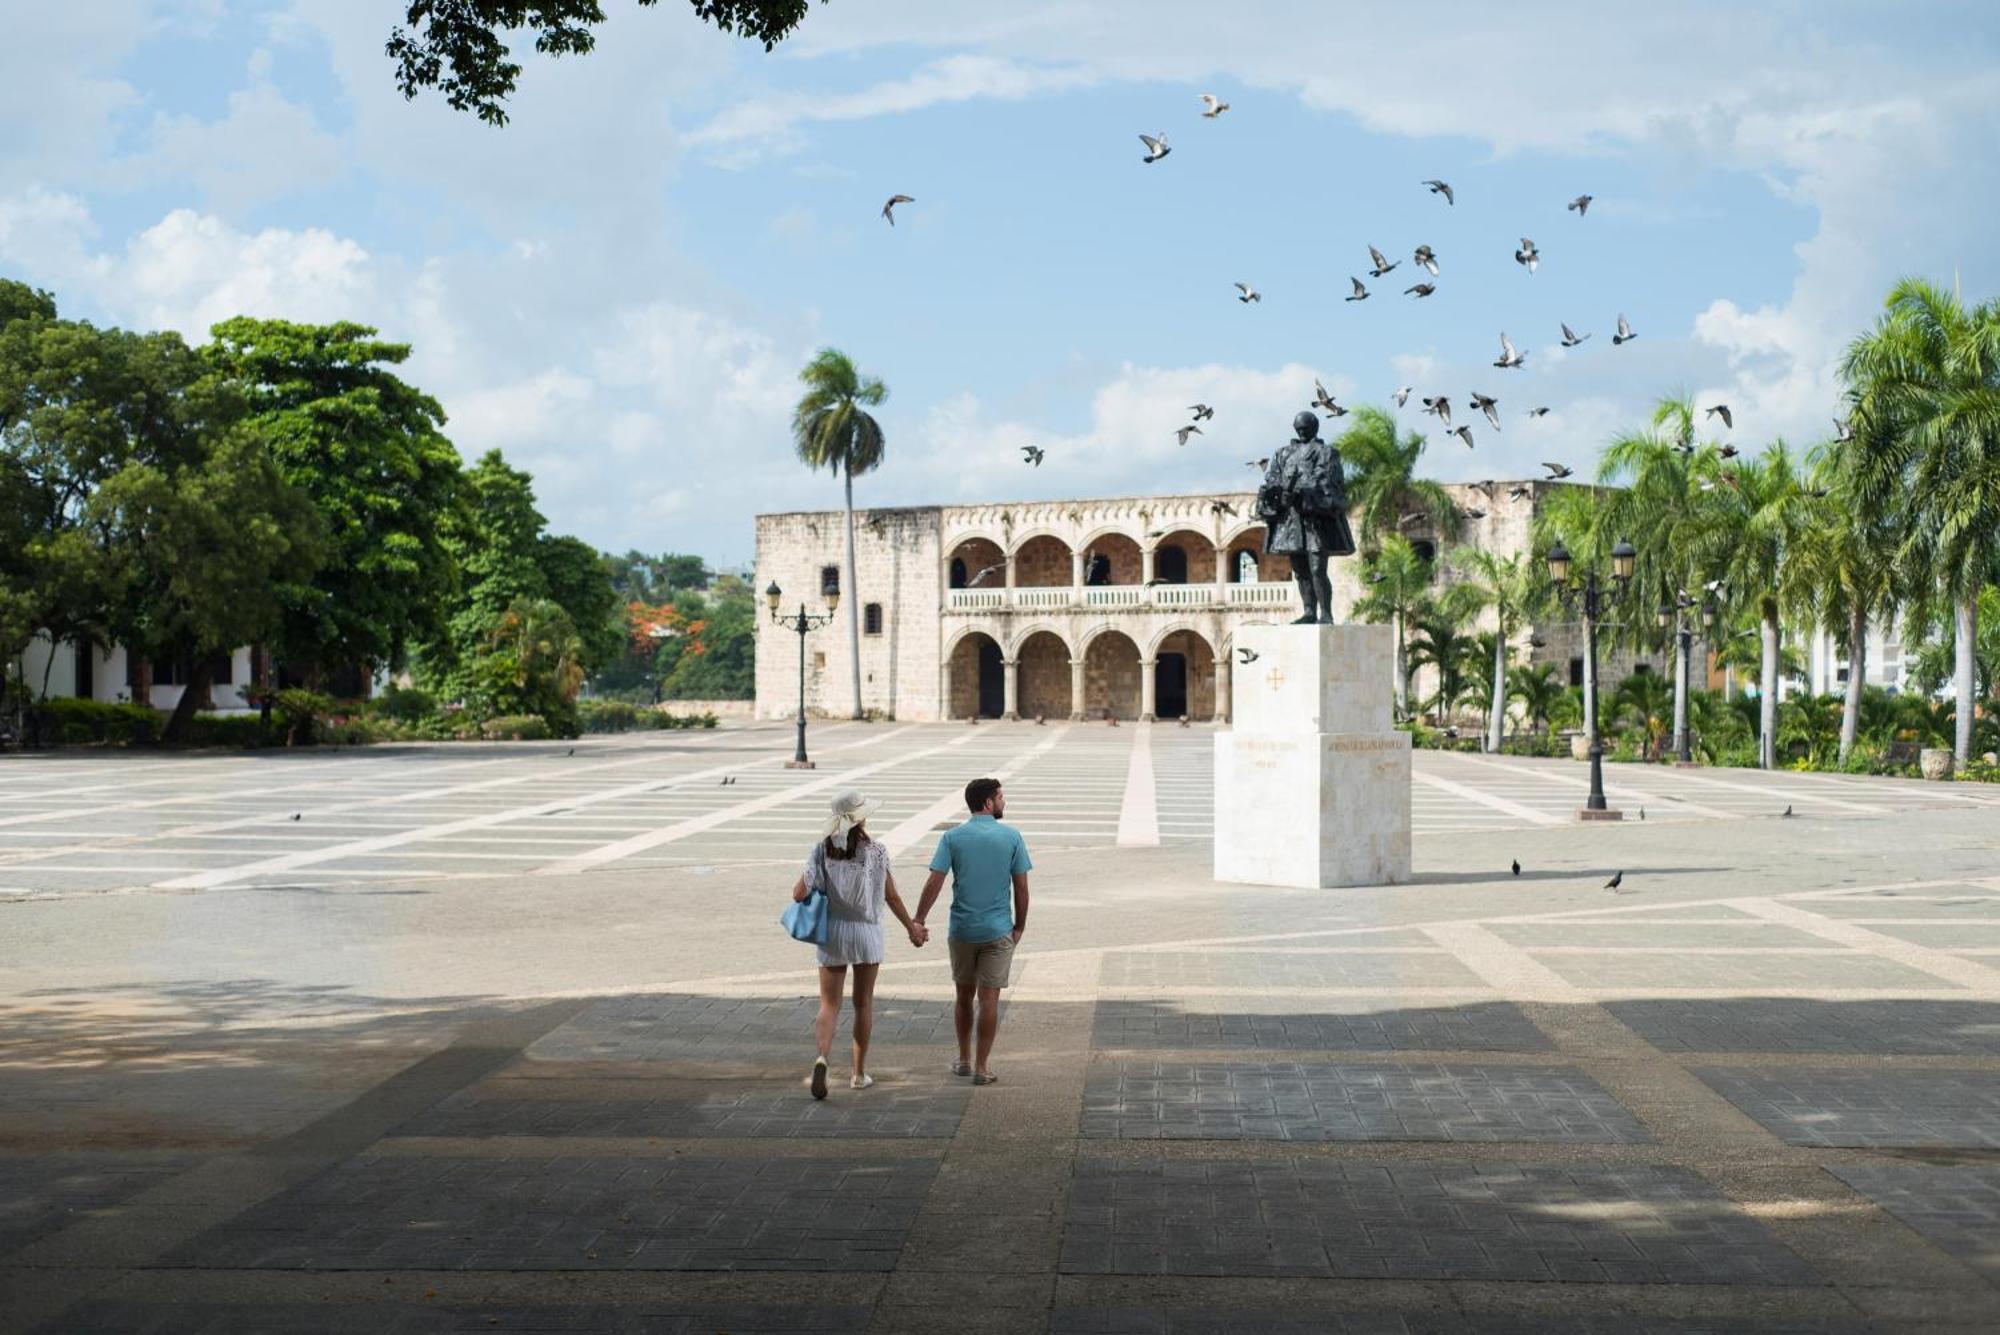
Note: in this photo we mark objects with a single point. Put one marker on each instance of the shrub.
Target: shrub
(405, 704)
(227, 730)
(298, 711)
(613, 716)
(66, 721)
(516, 727)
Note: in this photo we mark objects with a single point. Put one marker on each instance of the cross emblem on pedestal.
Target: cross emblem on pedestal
(1274, 678)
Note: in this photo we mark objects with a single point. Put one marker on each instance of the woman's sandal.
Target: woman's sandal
(985, 1078)
(961, 1068)
(819, 1078)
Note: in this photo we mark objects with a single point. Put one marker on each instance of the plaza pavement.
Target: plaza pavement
(507, 1038)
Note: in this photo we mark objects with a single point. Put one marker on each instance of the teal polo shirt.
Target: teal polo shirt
(983, 856)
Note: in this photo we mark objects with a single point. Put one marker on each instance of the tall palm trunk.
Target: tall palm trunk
(853, 602)
(1496, 719)
(1966, 633)
(1857, 674)
(1402, 671)
(1682, 648)
(1767, 696)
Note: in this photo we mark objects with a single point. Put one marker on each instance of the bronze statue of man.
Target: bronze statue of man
(1303, 503)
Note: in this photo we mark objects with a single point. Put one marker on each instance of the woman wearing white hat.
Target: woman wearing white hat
(853, 871)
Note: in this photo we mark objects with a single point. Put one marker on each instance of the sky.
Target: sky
(618, 289)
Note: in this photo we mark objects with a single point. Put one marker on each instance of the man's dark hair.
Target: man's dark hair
(978, 792)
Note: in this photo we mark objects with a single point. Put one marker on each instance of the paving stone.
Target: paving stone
(1943, 902)
(1958, 1208)
(1691, 968)
(1307, 1217)
(663, 1027)
(1250, 1322)
(382, 1318)
(1866, 1108)
(1284, 969)
(423, 1212)
(1348, 1025)
(1653, 935)
(1794, 1024)
(1156, 1100)
(46, 1191)
(540, 1107)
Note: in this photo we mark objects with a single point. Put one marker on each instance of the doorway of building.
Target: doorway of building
(1170, 697)
(992, 681)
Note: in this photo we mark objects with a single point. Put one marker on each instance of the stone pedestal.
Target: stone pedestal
(1312, 784)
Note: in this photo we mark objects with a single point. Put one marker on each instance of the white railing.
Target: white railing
(1183, 595)
(1056, 597)
(1114, 595)
(1271, 594)
(975, 600)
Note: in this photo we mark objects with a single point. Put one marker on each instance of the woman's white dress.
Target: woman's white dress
(856, 891)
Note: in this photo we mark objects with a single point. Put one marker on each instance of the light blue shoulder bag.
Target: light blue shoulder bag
(806, 918)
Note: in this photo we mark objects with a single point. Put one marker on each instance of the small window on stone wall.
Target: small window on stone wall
(819, 660)
(1576, 672)
(871, 619)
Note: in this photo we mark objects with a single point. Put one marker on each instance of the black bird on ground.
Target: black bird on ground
(1517, 866)
(1617, 879)
(296, 815)
(727, 779)
(1786, 813)
(570, 752)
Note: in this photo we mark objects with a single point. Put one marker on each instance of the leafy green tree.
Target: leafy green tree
(1440, 641)
(369, 451)
(833, 430)
(1925, 385)
(725, 666)
(1757, 522)
(1518, 592)
(1582, 520)
(530, 661)
(494, 536)
(1644, 701)
(1396, 582)
(1382, 481)
(18, 301)
(462, 46)
(1537, 687)
(639, 578)
(581, 585)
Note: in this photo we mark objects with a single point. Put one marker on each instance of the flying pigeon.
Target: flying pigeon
(1220, 507)
(1155, 148)
(993, 569)
(1202, 412)
(1684, 447)
(1519, 493)
(1360, 292)
(1189, 430)
(1571, 338)
(1420, 290)
(1538, 412)
(1259, 464)
(1475, 513)
(1464, 433)
(1509, 357)
(1382, 263)
(1727, 451)
(1440, 188)
(1721, 410)
(1624, 334)
(1427, 260)
(888, 210)
(1322, 399)
(1557, 471)
(1528, 255)
(1440, 408)
(1580, 205)
(1403, 395)
(1247, 655)
(1215, 107)
(1486, 403)
(1033, 454)
(1247, 293)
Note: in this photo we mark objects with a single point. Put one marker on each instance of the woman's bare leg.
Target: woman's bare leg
(832, 981)
(864, 1013)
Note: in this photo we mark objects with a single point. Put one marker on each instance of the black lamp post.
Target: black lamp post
(801, 622)
(1595, 601)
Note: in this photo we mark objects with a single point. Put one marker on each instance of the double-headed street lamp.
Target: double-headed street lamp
(801, 622)
(1595, 600)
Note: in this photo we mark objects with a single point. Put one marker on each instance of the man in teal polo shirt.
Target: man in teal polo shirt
(989, 866)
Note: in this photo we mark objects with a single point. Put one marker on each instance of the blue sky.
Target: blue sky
(618, 289)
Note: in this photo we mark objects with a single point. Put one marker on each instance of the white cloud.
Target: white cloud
(264, 148)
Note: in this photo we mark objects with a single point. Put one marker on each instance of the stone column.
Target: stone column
(1221, 570)
(1010, 676)
(1076, 576)
(1146, 565)
(1076, 690)
(1008, 559)
(1225, 669)
(1146, 685)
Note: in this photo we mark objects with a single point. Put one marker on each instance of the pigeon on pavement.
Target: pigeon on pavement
(1617, 879)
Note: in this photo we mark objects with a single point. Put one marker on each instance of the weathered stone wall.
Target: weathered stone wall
(1111, 677)
(1200, 672)
(1045, 676)
(1042, 562)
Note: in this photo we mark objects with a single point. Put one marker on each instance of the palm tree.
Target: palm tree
(832, 431)
(1440, 642)
(1517, 592)
(1537, 687)
(1925, 384)
(1746, 537)
(1580, 519)
(1397, 581)
(1382, 485)
(1659, 509)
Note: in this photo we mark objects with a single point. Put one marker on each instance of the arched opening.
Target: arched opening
(977, 563)
(978, 680)
(1042, 562)
(1111, 677)
(1042, 660)
(1184, 677)
(1184, 555)
(1112, 558)
(1260, 567)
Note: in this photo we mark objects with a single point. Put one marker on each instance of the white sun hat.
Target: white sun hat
(847, 810)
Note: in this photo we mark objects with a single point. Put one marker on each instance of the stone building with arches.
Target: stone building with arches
(1119, 607)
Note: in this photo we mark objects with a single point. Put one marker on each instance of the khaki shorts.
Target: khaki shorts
(984, 963)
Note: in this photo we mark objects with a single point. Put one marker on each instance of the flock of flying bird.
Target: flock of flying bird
(1527, 255)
